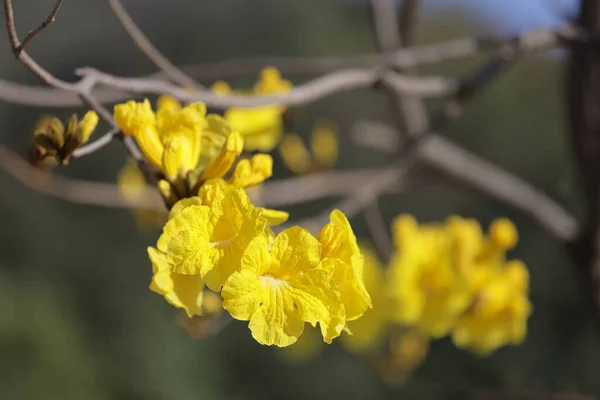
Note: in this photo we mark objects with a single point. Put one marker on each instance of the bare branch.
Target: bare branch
(22, 55)
(96, 144)
(279, 193)
(33, 33)
(379, 230)
(404, 58)
(315, 89)
(167, 67)
(72, 190)
(451, 160)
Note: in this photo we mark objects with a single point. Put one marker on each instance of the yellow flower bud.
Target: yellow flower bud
(132, 116)
(221, 87)
(178, 157)
(404, 227)
(168, 103)
(87, 126)
(150, 143)
(504, 233)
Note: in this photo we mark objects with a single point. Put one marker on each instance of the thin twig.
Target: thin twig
(379, 230)
(96, 144)
(170, 70)
(73, 190)
(33, 33)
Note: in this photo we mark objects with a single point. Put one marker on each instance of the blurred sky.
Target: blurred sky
(511, 15)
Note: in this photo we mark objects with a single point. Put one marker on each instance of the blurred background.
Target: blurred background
(77, 320)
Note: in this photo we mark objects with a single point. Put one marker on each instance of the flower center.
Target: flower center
(271, 281)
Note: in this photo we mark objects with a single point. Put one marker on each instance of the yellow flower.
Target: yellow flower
(425, 286)
(209, 239)
(323, 154)
(339, 243)
(280, 289)
(370, 329)
(262, 127)
(176, 139)
(132, 185)
(499, 314)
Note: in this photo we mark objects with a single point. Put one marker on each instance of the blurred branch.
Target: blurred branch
(453, 161)
(315, 89)
(404, 58)
(278, 193)
(167, 67)
(96, 144)
(73, 190)
(379, 230)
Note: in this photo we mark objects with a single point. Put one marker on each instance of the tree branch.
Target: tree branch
(167, 67)
(455, 162)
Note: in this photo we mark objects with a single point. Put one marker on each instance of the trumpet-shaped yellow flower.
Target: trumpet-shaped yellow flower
(499, 314)
(175, 138)
(339, 243)
(425, 286)
(262, 127)
(280, 289)
(370, 329)
(209, 239)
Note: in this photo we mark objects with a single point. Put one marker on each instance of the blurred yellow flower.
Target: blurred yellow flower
(499, 313)
(369, 330)
(132, 184)
(425, 286)
(323, 155)
(339, 243)
(262, 127)
(281, 288)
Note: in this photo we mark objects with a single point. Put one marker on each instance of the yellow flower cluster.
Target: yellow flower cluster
(323, 152)
(261, 127)
(216, 238)
(453, 279)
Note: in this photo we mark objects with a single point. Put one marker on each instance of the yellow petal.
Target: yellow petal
(87, 126)
(252, 172)
(132, 116)
(151, 145)
(178, 157)
(274, 217)
(242, 294)
(166, 102)
(223, 162)
(220, 87)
